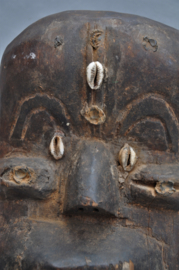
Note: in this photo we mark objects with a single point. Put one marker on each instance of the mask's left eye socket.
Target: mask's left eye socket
(57, 147)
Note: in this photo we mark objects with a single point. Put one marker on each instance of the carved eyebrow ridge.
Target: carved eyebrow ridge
(29, 116)
(156, 108)
(52, 105)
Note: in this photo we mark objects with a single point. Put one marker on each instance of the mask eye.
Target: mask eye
(21, 174)
(127, 157)
(57, 146)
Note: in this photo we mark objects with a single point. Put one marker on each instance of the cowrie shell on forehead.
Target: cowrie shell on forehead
(95, 75)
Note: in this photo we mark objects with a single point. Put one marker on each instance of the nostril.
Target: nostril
(81, 209)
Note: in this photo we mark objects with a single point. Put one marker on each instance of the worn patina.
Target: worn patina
(89, 136)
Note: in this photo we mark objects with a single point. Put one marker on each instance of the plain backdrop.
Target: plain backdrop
(16, 15)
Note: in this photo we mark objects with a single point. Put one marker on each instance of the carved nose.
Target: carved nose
(92, 184)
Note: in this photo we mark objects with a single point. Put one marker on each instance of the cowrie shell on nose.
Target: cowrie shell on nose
(127, 157)
(95, 75)
(57, 147)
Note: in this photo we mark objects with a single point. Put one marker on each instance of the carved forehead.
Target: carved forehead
(49, 60)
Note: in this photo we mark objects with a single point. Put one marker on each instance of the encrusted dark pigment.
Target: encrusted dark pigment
(89, 161)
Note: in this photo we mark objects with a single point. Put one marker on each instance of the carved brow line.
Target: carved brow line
(154, 119)
(28, 118)
(52, 105)
(143, 98)
(139, 110)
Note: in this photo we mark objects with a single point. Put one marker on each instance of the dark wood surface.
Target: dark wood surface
(86, 209)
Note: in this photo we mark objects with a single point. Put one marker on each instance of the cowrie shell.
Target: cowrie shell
(57, 147)
(95, 75)
(127, 157)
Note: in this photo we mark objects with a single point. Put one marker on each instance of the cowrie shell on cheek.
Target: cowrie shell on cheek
(127, 157)
(95, 75)
(57, 147)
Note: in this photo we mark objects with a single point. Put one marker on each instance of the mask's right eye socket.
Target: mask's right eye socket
(21, 174)
(57, 146)
(24, 177)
